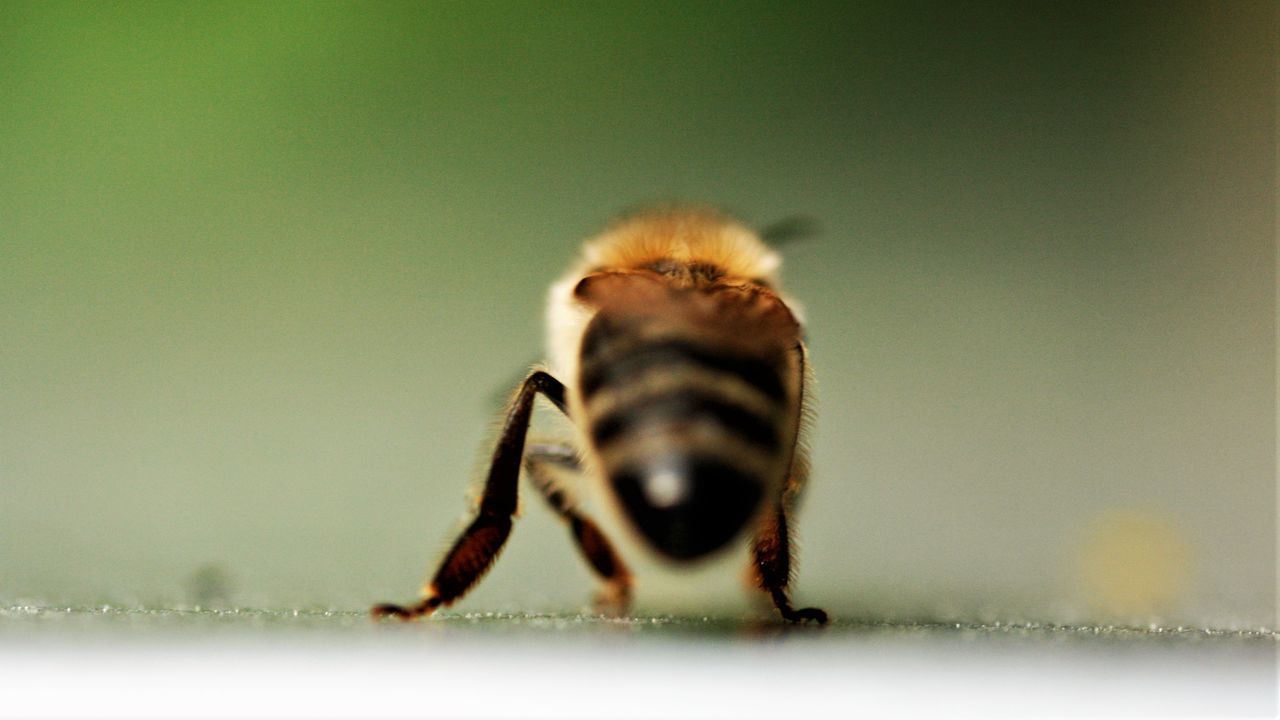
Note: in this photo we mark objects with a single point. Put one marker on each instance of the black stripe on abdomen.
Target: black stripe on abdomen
(683, 406)
(611, 356)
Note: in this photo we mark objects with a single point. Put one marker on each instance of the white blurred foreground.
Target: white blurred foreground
(327, 664)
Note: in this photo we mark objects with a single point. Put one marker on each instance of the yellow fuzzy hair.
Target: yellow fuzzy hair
(686, 235)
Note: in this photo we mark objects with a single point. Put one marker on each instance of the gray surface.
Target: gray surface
(48, 621)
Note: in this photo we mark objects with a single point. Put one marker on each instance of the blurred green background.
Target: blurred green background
(264, 266)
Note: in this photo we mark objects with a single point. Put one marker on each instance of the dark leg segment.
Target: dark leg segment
(772, 554)
(478, 546)
(595, 547)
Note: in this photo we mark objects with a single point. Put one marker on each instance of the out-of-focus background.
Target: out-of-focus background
(264, 268)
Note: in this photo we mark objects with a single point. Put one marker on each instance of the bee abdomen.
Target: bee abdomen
(689, 433)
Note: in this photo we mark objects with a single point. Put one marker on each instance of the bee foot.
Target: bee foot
(811, 614)
(402, 613)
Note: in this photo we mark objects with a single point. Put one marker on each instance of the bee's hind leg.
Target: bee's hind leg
(771, 555)
(615, 596)
(475, 550)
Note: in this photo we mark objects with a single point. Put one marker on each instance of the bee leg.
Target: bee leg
(475, 550)
(615, 597)
(772, 554)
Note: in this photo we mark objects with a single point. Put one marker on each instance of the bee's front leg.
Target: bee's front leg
(475, 550)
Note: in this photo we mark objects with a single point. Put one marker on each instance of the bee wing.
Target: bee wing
(789, 230)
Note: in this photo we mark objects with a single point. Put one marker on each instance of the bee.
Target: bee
(683, 370)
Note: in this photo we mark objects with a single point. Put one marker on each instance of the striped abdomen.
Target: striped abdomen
(693, 429)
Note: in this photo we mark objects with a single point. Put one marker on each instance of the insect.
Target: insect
(683, 370)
